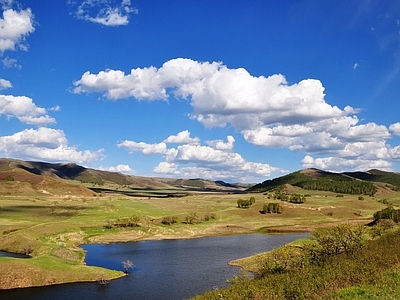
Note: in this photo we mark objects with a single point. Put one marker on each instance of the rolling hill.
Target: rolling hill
(346, 183)
(30, 177)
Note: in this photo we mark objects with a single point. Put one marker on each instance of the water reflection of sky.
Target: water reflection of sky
(167, 269)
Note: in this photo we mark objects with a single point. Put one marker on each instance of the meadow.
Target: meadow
(50, 228)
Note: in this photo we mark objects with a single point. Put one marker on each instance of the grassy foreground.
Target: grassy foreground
(51, 228)
(372, 272)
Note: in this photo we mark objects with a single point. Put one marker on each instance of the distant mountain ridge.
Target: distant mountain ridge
(346, 182)
(35, 172)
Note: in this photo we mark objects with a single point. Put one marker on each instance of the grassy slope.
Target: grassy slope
(372, 273)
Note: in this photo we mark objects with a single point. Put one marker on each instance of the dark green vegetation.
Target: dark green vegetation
(272, 208)
(292, 198)
(338, 263)
(241, 203)
(346, 183)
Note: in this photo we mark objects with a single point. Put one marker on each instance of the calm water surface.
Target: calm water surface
(169, 269)
(10, 254)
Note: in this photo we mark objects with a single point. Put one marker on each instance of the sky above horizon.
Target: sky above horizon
(240, 91)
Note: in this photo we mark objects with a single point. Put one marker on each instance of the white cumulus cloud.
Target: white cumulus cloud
(192, 160)
(182, 137)
(119, 168)
(147, 149)
(5, 84)
(45, 144)
(15, 26)
(267, 111)
(395, 128)
(23, 108)
(338, 164)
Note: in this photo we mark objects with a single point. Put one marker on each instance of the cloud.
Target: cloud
(45, 144)
(11, 63)
(395, 128)
(182, 137)
(105, 12)
(24, 110)
(147, 149)
(221, 145)
(190, 160)
(119, 168)
(5, 84)
(55, 108)
(15, 26)
(268, 111)
(338, 164)
(218, 94)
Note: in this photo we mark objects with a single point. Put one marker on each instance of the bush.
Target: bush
(283, 260)
(336, 240)
(192, 218)
(382, 226)
(244, 203)
(169, 220)
(388, 213)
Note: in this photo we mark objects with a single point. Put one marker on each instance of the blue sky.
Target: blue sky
(222, 90)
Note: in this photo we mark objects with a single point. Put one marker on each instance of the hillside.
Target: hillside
(35, 177)
(346, 183)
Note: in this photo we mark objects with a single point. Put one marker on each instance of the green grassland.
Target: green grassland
(50, 227)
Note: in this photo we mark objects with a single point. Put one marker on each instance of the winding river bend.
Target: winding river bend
(166, 269)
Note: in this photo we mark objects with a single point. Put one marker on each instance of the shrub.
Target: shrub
(243, 203)
(169, 220)
(382, 226)
(388, 213)
(335, 240)
(192, 218)
(284, 259)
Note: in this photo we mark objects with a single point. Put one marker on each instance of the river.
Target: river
(166, 269)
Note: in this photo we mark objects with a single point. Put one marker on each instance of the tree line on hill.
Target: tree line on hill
(332, 182)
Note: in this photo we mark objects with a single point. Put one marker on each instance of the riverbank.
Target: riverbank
(48, 270)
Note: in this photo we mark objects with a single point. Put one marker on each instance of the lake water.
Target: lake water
(167, 269)
(10, 254)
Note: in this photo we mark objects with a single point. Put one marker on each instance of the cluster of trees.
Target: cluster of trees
(389, 213)
(345, 187)
(293, 198)
(131, 221)
(272, 208)
(191, 218)
(246, 203)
